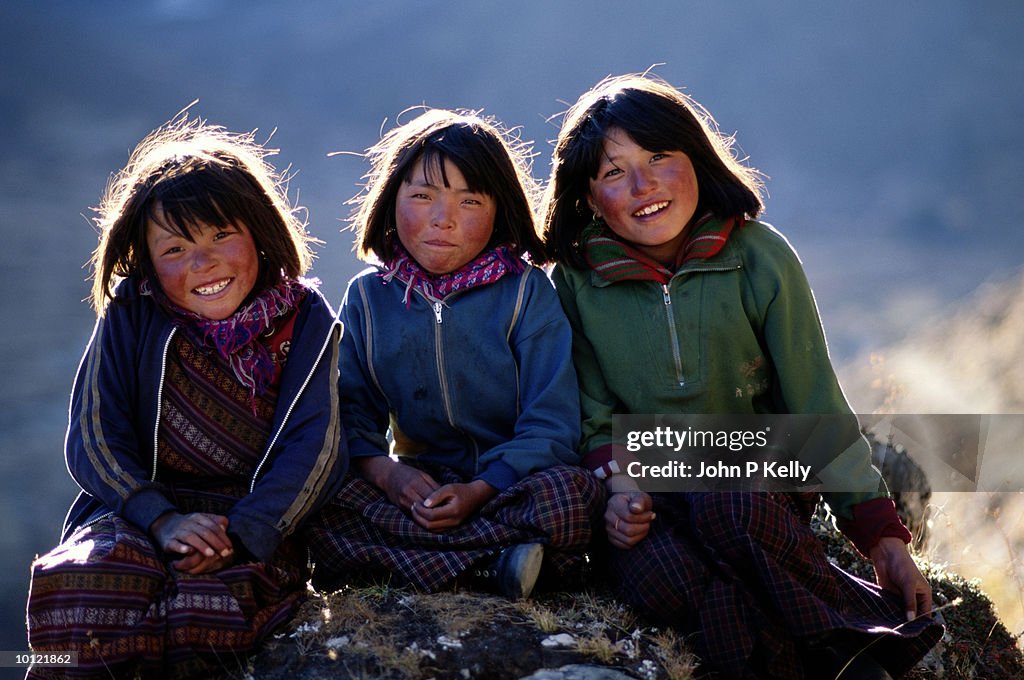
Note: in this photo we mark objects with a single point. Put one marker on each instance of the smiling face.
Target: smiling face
(210, 276)
(646, 197)
(442, 223)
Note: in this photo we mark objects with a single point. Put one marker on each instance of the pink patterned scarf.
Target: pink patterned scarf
(487, 267)
(238, 339)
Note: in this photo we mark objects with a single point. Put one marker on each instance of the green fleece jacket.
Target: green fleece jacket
(737, 333)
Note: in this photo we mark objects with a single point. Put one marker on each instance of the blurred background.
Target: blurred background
(891, 132)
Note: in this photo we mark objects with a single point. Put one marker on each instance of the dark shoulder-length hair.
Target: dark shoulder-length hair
(493, 161)
(657, 117)
(186, 173)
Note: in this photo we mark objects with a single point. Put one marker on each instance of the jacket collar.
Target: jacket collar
(724, 259)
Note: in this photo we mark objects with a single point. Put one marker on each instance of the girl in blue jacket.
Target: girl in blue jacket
(204, 424)
(458, 348)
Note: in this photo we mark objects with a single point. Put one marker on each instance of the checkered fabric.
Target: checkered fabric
(362, 533)
(743, 574)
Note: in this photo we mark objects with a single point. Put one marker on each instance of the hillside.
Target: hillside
(967, 359)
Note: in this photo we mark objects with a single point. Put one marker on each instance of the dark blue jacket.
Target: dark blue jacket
(481, 381)
(110, 446)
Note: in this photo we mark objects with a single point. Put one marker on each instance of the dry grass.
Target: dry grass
(599, 648)
(607, 610)
(677, 662)
(545, 619)
(348, 624)
(460, 613)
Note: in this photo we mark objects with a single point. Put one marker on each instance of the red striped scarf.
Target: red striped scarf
(613, 259)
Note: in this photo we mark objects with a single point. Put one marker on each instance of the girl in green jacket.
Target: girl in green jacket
(681, 303)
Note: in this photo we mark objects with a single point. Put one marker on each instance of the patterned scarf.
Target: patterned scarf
(612, 259)
(238, 338)
(487, 267)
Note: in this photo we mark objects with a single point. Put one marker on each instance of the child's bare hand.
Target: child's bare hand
(403, 484)
(452, 504)
(199, 533)
(628, 518)
(200, 564)
(896, 571)
(407, 486)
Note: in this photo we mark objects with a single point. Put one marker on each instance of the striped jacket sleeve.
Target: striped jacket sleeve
(106, 449)
(307, 456)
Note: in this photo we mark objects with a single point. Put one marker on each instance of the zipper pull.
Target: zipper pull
(437, 312)
(664, 293)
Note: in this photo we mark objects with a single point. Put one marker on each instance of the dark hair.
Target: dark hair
(191, 172)
(657, 117)
(492, 160)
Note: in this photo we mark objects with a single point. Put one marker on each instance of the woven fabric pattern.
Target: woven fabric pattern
(110, 592)
(745, 577)
(361, 533)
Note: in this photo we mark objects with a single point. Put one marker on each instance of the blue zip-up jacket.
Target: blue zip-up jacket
(111, 441)
(481, 381)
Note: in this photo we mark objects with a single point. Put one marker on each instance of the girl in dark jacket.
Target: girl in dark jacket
(204, 424)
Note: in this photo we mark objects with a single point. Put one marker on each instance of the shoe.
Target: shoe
(514, 572)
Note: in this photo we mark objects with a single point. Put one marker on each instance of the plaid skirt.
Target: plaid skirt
(362, 534)
(745, 577)
(108, 592)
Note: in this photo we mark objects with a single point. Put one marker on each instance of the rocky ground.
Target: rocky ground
(376, 631)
